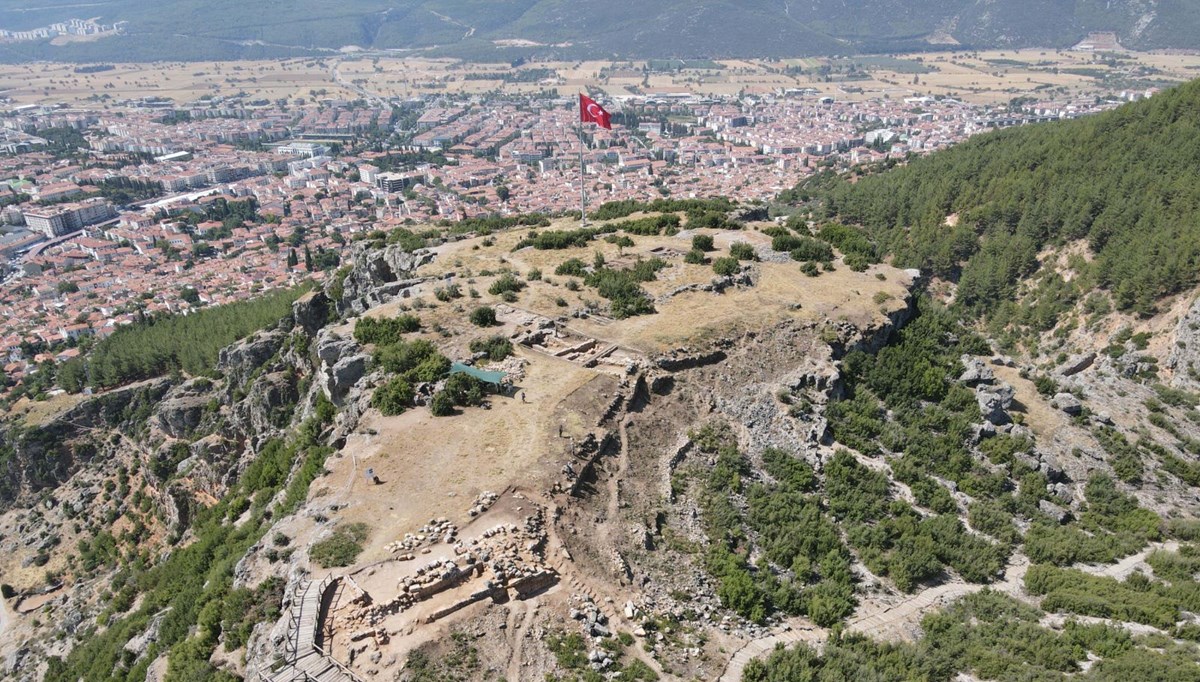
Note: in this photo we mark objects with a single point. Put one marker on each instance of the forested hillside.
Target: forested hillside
(1126, 182)
(174, 343)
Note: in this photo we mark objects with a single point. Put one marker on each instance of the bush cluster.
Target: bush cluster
(385, 330)
(497, 347)
(341, 548)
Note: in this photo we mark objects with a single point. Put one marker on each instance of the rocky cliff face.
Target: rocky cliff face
(176, 445)
(377, 275)
(43, 456)
(198, 433)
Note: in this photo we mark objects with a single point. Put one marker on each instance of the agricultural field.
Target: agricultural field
(981, 77)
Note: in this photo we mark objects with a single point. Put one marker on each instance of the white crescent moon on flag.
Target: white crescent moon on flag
(594, 110)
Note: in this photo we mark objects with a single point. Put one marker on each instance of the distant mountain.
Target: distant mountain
(197, 29)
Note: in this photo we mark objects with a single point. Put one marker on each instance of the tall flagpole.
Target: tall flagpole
(582, 192)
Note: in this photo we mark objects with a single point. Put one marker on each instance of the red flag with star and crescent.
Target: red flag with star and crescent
(591, 112)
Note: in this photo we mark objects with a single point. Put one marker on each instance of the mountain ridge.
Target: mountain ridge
(591, 28)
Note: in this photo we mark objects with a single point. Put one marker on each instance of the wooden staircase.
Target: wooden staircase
(309, 662)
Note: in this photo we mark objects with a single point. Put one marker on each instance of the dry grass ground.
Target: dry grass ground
(1039, 416)
(40, 412)
(984, 77)
(435, 466)
(15, 568)
(781, 291)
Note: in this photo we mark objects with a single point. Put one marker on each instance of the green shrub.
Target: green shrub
(857, 262)
(442, 404)
(716, 220)
(448, 293)
(622, 288)
(506, 283)
(385, 330)
(393, 397)
(695, 257)
(726, 266)
(341, 548)
(810, 268)
(651, 225)
(1090, 595)
(416, 361)
(557, 239)
(497, 347)
(572, 267)
(464, 389)
(702, 242)
(742, 251)
(802, 248)
(625, 207)
(849, 240)
(483, 316)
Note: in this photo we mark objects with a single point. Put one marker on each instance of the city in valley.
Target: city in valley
(141, 189)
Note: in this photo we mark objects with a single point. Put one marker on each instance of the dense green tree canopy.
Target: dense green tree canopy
(1127, 182)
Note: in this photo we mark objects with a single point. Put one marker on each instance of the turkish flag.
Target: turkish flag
(590, 112)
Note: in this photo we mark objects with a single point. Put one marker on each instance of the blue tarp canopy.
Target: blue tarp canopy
(495, 378)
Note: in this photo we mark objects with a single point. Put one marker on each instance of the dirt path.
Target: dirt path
(895, 621)
(808, 634)
(880, 620)
(520, 613)
(4, 617)
(592, 586)
(1123, 568)
(898, 621)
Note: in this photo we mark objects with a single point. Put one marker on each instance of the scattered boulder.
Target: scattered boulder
(311, 311)
(139, 644)
(179, 415)
(975, 372)
(331, 348)
(994, 402)
(1076, 364)
(343, 375)
(377, 274)
(1054, 511)
(1068, 403)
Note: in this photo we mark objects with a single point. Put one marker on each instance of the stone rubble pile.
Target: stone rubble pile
(482, 503)
(437, 530)
(502, 555)
(594, 625)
